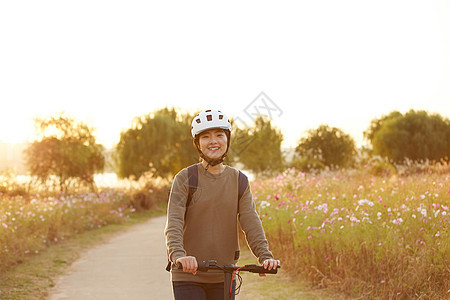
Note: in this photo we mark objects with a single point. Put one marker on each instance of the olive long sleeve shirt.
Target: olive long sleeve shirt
(208, 228)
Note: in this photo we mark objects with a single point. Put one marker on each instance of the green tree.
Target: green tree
(416, 135)
(66, 149)
(327, 146)
(258, 148)
(160, 143)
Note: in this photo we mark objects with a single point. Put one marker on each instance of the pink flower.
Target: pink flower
(309, 237)
(327, 258)
(4, 225)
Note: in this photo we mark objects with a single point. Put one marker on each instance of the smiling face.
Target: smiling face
(213, 143)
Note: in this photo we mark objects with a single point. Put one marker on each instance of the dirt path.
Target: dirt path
(130, 266)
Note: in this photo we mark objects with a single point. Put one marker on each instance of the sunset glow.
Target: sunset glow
(338, 63)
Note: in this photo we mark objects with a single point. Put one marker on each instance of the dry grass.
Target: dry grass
(370, 237)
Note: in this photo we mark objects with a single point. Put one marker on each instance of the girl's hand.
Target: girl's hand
(189, 264)
(271, 264)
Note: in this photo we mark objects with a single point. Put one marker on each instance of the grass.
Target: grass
(33, 277)
(276, 287)
(366, 236)
(28, 225)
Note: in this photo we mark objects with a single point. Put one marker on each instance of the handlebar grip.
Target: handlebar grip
(206, 265)
(202, 266)
(259, 269)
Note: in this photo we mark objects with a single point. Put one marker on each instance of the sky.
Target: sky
(301, 63)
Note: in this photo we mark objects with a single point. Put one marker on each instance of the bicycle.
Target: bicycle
(230, 272)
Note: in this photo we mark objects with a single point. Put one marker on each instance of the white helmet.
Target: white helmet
(209, 119)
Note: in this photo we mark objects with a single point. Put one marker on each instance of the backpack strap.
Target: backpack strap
(193, 182)
(242, 184)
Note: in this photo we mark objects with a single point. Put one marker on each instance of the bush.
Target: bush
(10, 186)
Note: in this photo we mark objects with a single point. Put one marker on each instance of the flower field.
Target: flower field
(366, 236)
(28, 225)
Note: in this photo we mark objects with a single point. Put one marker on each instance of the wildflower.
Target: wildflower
(354, 219)
(296, 212)
(367, 220)
(264, 204)
(365, 201)
(309, 237)
(5, 225)
(335, 212)
(327, 258)
(398, 221)
(424, 212)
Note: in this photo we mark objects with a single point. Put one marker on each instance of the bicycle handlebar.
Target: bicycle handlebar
(204, 266)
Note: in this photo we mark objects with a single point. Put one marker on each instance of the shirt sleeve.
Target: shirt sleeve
(175, 216)
(252, 226)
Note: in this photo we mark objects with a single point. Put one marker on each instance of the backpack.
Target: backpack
(193, 183)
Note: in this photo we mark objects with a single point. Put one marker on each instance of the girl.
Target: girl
(204, 225)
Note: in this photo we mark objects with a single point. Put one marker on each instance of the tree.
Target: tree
(416, 135)
(66, 149)
(160, 143)
(259, 147)
(328, 146)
